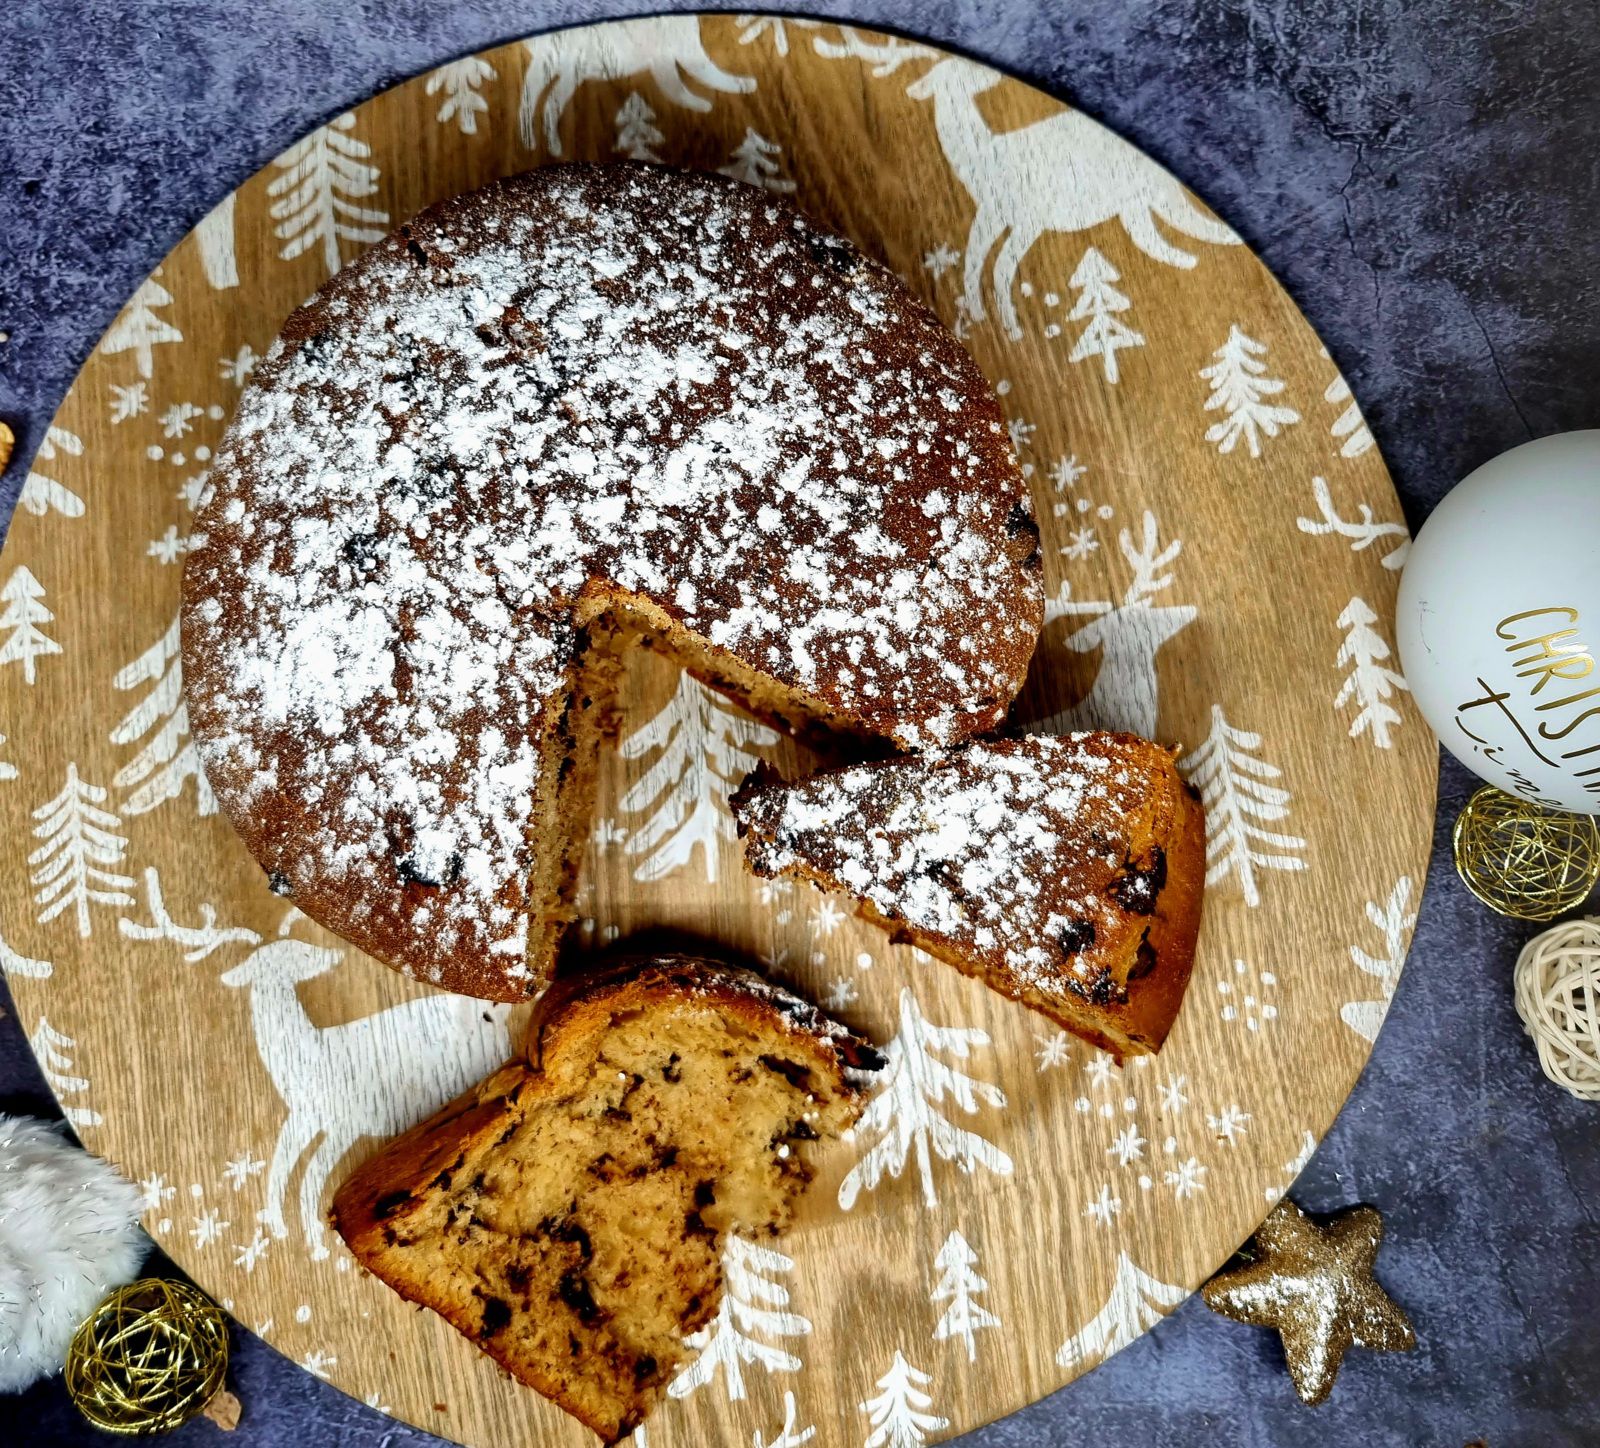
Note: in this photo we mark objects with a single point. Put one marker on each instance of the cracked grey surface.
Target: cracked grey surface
(1424, 177)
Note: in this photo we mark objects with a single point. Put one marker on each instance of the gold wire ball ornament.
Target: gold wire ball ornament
(1557, 992)
(1524, 860)
(151, 1356)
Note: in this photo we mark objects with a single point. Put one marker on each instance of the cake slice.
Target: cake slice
(1064, 872)
(569, 1214)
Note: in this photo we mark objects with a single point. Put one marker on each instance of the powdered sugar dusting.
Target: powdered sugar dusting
(654, 379)
(1010, 847)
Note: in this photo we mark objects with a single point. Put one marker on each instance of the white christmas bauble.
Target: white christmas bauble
(1499, 621)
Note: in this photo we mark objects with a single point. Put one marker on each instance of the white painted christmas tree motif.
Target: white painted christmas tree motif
(1349, 426)
(904, 1115)
(755, 162)
(216, 241)
(706, 747)
(14, 962)
(168, 758)
(898, 1417)
(1240, 801)
(960, 1285)
(1130, 633)
(138, 329)
(791, 1435)
(753, 1307)
(39, 493)
(1098, 304)
(462, 81)
(315, 199)
(1393, 920)
(53, 1047)
(1239, 388)
(1371, 683)
(1363, 532)
(22, 615)
(1137, 1301)
(637, 136)
(72, 868)
(667, 48)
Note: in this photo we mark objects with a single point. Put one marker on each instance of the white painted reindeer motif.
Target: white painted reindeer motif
(374, 1076)
(659, 47)
(1126, 691)
(1064, 173)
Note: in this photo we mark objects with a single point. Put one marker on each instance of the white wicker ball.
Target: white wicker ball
(1557, 985)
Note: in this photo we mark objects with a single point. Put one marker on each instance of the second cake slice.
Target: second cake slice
(1064, 872)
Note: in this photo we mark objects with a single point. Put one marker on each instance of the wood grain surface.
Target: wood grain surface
(1222, 545)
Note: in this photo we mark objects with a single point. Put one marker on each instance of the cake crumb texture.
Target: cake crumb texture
(569, 1214)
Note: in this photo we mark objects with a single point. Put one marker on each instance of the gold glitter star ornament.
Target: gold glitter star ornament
(1312, 1283)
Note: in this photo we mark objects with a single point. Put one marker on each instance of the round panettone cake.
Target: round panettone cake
(539, 420)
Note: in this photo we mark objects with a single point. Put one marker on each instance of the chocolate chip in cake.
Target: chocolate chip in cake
(279, 883)
(829, 251)
(1145, 959)
(793, 1072)
(1078, 936)
(574, 1290)
(496, 1315)
(390, 1203)
(1137, 888)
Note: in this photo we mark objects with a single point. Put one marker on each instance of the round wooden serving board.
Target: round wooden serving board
(1222, 545)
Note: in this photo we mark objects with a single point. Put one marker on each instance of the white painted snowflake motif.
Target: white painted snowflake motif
(1104, 1207)
(248, 1254)
(841, 993)
(208, 1227)
(241, 1168)
(169, 547)
(237, 368)
(1081, 544)
(1229, 1124)
(1128, 1146)
(319, 1363)
(941, 259)
(1187, 1179)
(128, 401)
(1054, 1050)
(178, 420)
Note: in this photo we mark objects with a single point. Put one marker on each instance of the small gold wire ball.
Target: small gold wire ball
(1557, 984)
(151, 1356)
(1524, 860)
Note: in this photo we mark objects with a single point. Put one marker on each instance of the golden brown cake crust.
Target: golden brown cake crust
(1064, 872)
(501, 1211)
(578, 390)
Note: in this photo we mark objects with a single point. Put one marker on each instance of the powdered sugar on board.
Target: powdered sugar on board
(667, 382)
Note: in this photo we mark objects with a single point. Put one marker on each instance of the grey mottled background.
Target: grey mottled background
(1425, 178)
